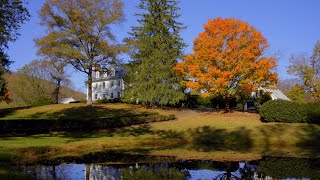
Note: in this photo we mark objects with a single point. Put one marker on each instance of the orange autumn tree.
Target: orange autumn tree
(228, 60)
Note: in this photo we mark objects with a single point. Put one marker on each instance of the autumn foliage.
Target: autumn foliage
(307, 69)
(227, 60)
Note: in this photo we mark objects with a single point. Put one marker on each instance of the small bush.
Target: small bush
(104, 101)
(290, 112)
(207, 103)
(171, 117)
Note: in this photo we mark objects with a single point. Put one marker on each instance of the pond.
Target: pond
(122, 166)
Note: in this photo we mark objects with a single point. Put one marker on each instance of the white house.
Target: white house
(107, 83)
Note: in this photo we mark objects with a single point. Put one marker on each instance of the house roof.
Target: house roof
(120, 73)
(276, 94)
(66, 100)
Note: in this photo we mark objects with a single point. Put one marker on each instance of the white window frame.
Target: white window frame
(105, 74)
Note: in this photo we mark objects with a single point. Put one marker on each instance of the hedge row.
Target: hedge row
(47, 125)
(290, 112)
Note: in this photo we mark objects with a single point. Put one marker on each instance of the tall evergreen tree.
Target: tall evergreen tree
(157, 46)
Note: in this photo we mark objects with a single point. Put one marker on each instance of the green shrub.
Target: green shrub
(240, 105)
(171, 117)
(263, 97)
(207, 103)
(290, 112)
(104, 101)
(313, 112)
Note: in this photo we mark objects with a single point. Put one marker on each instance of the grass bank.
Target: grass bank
(193, 135)
(75, 117)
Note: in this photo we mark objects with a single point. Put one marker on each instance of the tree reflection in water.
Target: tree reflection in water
(153, 172)
(266, 168)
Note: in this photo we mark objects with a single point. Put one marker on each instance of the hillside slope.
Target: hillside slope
(30, 91)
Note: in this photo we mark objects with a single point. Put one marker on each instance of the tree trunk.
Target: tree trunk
(89, 101)
(57, 91)
(87, 175)
(54, 173)
(227, 104)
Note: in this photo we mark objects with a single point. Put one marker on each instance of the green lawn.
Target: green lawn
(71, 111)
(198, 135)
(4, 105)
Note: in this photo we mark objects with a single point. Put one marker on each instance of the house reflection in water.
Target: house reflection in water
(101, 172)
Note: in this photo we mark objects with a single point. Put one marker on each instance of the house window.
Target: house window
(105, 74)
(119, 82)
(96, 96)
(111, 83)
(118, 94)
(113, 71)
(111, 95)
(103, 85)
(97, 74)
(103, 96)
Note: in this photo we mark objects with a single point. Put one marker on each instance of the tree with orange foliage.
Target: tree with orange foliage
(228, 60)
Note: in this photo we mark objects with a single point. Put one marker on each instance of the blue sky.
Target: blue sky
(290, 26)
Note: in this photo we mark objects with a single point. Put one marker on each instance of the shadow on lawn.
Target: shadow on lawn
(268, 132)
(310, 138)
(9, 111)
(205, 138)
(80, 118)
(88, 113)
(201, 139)
(208, 138)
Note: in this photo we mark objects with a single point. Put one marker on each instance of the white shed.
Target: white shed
(67, 101)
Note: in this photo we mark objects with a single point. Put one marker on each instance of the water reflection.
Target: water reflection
(265, 168)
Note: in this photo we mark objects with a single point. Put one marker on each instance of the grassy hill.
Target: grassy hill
(67, 92)
(31, 91)
(194, 134)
